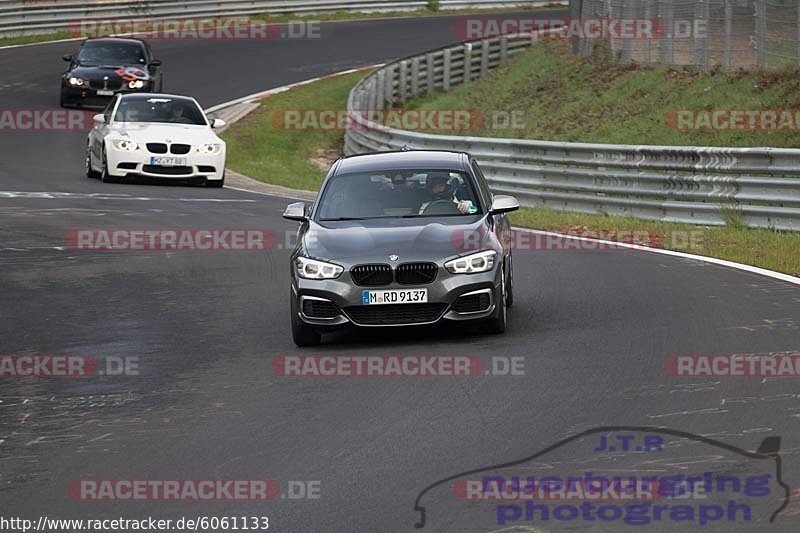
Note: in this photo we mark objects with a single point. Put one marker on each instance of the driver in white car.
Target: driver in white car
(439, 188)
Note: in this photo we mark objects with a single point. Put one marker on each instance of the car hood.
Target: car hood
(355, 242)
(97, 73)
(166, 133)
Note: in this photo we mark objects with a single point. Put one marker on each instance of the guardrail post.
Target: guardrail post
(447, 69)
(403, 82)
(380, 83)
(388, 88)
(467, 62)
(373, 95)
(503, 49)
(484, 58)
(430, 71)
(415, 76)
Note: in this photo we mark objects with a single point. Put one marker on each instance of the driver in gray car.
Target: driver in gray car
(439, 189)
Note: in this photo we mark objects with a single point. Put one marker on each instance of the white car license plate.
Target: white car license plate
(409, 296)
(101, 92)
(168, 161)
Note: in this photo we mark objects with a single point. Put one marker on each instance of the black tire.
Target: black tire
(510, 283)
(302, 334)
(497, 323)
(91, 174)
(216, 184)
(105, 177)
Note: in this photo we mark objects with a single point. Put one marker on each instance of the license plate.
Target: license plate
(101, 92)
(411, 296)
(168, 161)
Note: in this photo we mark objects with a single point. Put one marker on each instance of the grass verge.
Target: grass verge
(291, 158)
(765, 248)
(299, 159)
(568, 98)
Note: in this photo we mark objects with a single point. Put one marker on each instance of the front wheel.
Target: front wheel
(105, 177)
(216, 184)
(497, 323)
(510, 283)
(90, 173)
(302, 334)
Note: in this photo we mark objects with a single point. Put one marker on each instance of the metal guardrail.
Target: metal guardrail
(18, 17)
(698, 185)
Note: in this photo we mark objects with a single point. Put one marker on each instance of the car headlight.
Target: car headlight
(473, 263)
(313, 269)
(208, 149)
(136, 84)
(76, 82)
(126, 145)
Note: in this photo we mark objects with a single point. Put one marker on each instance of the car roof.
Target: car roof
(148, 96)
(114, 40)
(410, 159)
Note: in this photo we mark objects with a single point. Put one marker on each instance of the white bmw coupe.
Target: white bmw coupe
(156, 136)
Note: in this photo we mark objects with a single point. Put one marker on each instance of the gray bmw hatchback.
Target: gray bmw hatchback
(401, 239)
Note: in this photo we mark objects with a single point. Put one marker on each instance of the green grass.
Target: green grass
(266, 153)
(567, 98)
(40, 38)
(256, 148)
(773, 250)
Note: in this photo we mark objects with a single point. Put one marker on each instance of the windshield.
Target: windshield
(111, 53)
(163, 110)
(398, 193)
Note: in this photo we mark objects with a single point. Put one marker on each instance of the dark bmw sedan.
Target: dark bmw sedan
(401, 239)
(104, 67)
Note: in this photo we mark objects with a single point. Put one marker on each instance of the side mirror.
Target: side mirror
(99, 119)
(67, 58)
(217, 123)
(296, 211)
(155, 63)
(504, 204)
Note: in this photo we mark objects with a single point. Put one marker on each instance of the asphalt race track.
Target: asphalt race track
(594, 329)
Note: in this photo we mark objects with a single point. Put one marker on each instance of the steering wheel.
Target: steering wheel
(441, 207)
